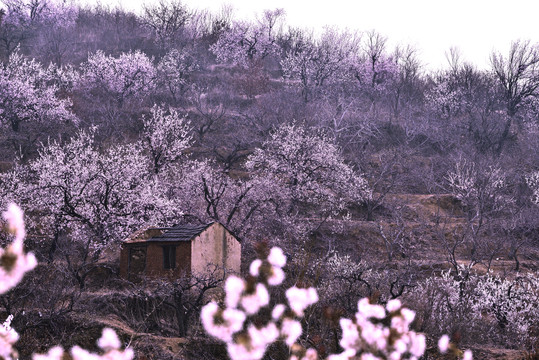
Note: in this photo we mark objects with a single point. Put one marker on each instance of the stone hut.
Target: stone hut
(179, 250)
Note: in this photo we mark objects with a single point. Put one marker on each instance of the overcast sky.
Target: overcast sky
(432, 26)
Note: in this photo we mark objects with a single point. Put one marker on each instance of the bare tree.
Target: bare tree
(187, 294)
(211, 111)
(167, 19)
(518, 74)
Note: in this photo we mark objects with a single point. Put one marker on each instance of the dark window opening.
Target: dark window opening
(169, 257)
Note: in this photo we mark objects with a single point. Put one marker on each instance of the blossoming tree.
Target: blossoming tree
(29, 101)
(304, 167)
(131, 75)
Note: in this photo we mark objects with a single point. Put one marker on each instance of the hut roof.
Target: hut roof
(184, 232)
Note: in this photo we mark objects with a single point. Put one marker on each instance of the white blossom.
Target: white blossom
(393, 305)
(8, 337)
(14, 263)
(276, 277)
(278, 311)
(366, 310)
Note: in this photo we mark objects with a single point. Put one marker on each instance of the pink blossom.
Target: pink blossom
(369, 356)
(291, 330)
(350, 334)
(244, 352)
(55, 353)
(300, 299)
(345, 355)
(278, 311)
(393, 305)
(254, 268)
(11, 274)
(109, 340)
(366, 310)
(232, 321)
(264, 336)
(418, 344)
(276, 257)
(14, 217)
(276, 277)
(234, 287)
(443, 344)
(253, 302)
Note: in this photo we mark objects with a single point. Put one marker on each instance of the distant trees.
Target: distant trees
(55, 32)
(48, 24)
(246, 44)
(408, 84)
(175, 71)
(473, 102)
(167, 19)
(17, 22)
(29, 94)
(318, 62)
(374, 70)
(479, 188)
(518, 75)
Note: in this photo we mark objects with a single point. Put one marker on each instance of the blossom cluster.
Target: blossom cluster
(444, 345)
(533, 183)
(512, 303)
(248, 325)
(166, 135)
(174, 71)
(245, 338)
(8, 337)
(306, 167)
(109, 343)
(14, 263)
(379, 332)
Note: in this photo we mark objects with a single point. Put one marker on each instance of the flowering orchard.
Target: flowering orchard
(249, 321)
(377, 332)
